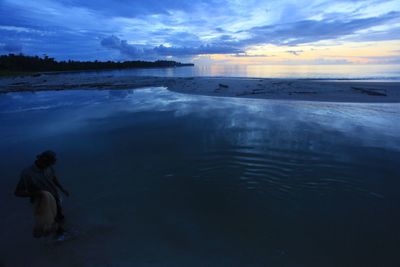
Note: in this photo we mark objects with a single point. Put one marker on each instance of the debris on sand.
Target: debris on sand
(370, 91)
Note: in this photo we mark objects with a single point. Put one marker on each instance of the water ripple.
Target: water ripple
(277, 173)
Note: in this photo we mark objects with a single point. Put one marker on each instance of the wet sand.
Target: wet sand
(310, 90)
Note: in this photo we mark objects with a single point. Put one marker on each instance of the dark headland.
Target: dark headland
(14, 64)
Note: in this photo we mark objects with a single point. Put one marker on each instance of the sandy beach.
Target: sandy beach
(309, 90)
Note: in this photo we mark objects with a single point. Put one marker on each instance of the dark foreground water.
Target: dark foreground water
(165, 179)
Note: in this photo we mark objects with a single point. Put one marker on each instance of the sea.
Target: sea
(159, 178)
(323, 72)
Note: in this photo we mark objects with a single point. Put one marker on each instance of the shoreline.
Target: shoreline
(260, 88)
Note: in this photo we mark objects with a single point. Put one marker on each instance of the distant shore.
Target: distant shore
(12, 64)
(286, 89)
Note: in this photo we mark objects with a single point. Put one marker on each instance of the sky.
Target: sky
(205, 31)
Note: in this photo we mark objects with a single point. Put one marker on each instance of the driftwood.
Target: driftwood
(370, 91)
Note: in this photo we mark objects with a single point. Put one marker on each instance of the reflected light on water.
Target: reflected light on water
(184, 180)
(353, 72)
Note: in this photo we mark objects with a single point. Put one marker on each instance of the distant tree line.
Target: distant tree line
(22, 62)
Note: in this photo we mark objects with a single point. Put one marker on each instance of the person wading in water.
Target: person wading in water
(40, 176)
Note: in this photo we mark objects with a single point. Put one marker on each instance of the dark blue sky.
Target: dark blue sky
(213, 29)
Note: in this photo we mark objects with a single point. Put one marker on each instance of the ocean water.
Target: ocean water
(333, 72)
(159, 178)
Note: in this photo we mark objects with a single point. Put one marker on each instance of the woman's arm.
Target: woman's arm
(57, 183)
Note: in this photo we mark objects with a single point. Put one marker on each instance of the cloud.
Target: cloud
(129, 8)
(293, 33)
(308, 31)
(181, 38)
(245, 55)
(381, 59)
(295, 52)
(140, 51)
(150, 29)
(319, 61)
(219, 29)
(17, 29)
(378, 35)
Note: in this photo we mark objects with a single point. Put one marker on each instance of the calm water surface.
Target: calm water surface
(352, 72)
(165, 179)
